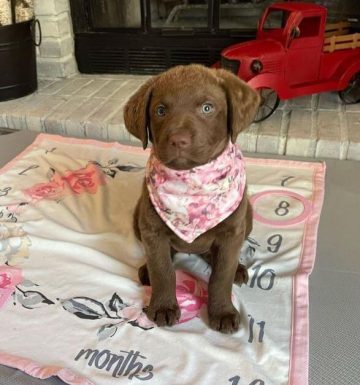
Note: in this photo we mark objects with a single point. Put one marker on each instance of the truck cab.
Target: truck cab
(300, 31)
(295, 54)
(291, 36)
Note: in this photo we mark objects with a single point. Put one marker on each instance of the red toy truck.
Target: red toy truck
(295, 53)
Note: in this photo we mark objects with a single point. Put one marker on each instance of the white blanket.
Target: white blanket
(70, 301)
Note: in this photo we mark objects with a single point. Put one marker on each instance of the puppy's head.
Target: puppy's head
(189, 113)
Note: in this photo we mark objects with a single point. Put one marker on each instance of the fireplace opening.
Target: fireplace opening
(149, 36)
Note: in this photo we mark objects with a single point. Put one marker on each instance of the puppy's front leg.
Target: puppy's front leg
(222, 314)
(163, 309)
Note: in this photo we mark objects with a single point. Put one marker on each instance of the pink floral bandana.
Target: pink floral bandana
(193, 201)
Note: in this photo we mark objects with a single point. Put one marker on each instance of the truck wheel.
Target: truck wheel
(268, 104)
(351, 94)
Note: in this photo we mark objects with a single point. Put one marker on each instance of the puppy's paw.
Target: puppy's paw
(226, 322)
(241, 275)
(164, 315)
(143, 275)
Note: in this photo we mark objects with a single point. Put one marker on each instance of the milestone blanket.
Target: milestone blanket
(70, 301)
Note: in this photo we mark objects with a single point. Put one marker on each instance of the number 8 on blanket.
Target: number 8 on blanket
(280, 207)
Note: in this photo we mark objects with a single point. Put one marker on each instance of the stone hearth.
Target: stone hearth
(92, 106)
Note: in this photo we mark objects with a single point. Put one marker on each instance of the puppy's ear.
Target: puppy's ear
(242, 102)
(136, 114)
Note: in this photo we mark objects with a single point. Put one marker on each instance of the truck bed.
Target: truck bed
(337, 37)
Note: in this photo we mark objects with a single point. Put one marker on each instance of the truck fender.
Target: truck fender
(351, 70)
(272, 81)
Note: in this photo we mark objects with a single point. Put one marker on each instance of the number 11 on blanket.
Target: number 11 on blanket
(251, 329)
(236, 381)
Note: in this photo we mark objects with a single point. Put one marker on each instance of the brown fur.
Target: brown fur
(182, 91)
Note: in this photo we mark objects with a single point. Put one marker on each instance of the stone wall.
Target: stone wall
(55, 56)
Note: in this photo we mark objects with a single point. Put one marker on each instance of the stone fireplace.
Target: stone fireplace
(55, 56)
(148, 36)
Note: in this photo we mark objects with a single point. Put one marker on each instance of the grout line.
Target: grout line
(344, 134)
(284, 130)
(314, 133)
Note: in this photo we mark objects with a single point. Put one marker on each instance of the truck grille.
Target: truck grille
(230, 65)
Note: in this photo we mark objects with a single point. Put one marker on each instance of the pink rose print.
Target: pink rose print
(53, 190)
(85, 180)
(5, 280)
(9, 278)
(191, 294)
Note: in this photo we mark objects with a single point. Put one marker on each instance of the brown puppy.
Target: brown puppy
(190, 113)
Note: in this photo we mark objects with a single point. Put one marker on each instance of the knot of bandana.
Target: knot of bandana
(193, 201)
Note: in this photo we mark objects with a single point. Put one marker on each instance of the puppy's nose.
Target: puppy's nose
(180, 141)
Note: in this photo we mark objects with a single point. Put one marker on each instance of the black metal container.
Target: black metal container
(18, 75)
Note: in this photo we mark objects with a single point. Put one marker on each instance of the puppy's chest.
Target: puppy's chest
(199, 246)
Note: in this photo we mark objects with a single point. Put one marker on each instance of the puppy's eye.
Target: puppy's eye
(160, 110)
(207, 108)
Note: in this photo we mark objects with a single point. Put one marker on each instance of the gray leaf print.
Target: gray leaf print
(106, 331)
(32, 299)
(50, 173)
(116, 303)
(129, 168)
(28, 283)
(84, 307)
